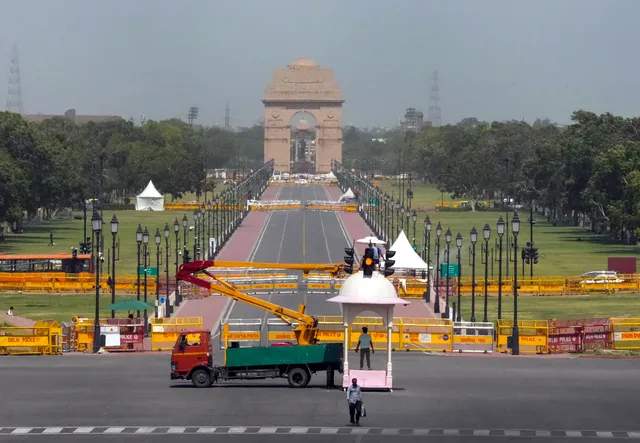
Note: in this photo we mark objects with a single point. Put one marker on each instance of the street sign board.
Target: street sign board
(151, 272)
(453, 270)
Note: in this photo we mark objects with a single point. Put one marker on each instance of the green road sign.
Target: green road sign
(151, 272)
(453, 270)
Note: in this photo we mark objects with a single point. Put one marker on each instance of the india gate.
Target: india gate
(303, 119)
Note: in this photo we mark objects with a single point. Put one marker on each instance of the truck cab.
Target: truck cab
(192, 351)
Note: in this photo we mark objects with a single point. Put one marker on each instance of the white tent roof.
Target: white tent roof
(374, 290)
(346, 195)
(150, 199)
(150, 192)
(406, 257)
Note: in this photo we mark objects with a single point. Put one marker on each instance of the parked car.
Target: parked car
(600, 278)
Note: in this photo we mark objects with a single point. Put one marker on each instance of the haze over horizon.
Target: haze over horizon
(497, 60)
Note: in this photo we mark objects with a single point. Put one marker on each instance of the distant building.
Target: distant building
(71, 115)
(413, 120)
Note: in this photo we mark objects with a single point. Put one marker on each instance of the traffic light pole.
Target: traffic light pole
(531, 223)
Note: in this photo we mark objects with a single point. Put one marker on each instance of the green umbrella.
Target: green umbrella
(129, 305)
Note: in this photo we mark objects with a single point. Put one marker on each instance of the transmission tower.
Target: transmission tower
(193, 114)
(14, 94)
(227, 116)
(434, 101)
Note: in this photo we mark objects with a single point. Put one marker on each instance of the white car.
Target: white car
(600, 278)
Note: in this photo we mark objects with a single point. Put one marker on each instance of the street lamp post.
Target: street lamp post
(474, 239)
(167, 305)
(114, 233)
(139, 242)
(459, 246)
(486, 232)
(414, 218)
(203, 226)
(96, 224)
(158, 239)
(145, 248)
(427, 242)
(500, 234)
(402, 211)
(436, 302)
(185, 224)
(176, 229)
(196, 236)
(515, 228)
(447, 239)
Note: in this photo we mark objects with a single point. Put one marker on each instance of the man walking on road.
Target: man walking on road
(365, 345)
(354, 400)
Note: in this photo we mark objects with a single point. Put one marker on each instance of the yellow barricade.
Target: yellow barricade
(68, 283)
(181, 206)
(533, 336)
(626, 333)
(427, 334)
(165, 331)
(44, 338)
(247, 332)
(84, 333)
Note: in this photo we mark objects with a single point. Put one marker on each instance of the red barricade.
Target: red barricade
(565, 338)
(598, 334)
(131, 334)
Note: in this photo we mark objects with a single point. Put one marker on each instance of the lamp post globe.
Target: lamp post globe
(114, 224)
(167, 230)
(459, 240)
(438, 230)
(486, 231)
(515, 223)
(176, 225)
(203, 210)
(448, 236)
(185, 221)
(414, 216)
(145, 236)
(427, 223)
(500, 226)
(157, 237)
(139, 234)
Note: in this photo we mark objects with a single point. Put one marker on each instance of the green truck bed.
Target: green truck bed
(284, 355)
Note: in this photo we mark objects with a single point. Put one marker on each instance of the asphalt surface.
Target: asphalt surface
(461, 397)
(298, 236)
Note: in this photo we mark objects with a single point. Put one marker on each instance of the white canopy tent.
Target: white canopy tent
(331, 177)
(406, 257)
(150, 199)
(349, 195)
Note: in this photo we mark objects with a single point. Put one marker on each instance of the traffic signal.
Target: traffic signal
(349, 260)
(83, 247)
(388, 263)
(534, 255)
(74, 253)
(525, 255)
(367, 263)
(249, 195)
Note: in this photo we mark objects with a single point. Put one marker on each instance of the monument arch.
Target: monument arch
(304, 144)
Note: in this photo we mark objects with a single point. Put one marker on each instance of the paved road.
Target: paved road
(464, 397)
(299, 237)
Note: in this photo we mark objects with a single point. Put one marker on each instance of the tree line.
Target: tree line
(57, 164)
(587, 172)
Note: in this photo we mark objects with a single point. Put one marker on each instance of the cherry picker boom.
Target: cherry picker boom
(306, 330)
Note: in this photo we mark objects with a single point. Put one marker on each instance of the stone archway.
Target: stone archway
(303, 86)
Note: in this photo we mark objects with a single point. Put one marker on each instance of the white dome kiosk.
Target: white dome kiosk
(376, 294)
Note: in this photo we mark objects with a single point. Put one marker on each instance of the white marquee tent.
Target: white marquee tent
(150, 199)
(406, 257)
(349, 195)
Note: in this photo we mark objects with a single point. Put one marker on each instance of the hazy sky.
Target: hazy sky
(497, 59)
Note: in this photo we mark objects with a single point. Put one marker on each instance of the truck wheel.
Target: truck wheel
(201, 378)
(298, 378)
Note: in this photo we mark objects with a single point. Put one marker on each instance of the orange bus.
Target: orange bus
(67, 263)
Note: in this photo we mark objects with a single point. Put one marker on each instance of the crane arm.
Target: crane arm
(187, 272)
(333, 269)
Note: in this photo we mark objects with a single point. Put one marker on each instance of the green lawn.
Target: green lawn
(563, 250)
(68, 233)
(568, 307)
(60, 307)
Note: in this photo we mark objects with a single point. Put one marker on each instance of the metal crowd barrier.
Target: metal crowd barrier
(323, 205)
(165, 331)
(626, 333)
(68, 283)
(246, 331)
(533, 336)
(43, 338)
(473, 336)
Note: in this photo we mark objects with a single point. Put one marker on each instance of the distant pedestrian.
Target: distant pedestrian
(354, 400)
(10, 311)
(51, 239)
(365, 345)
